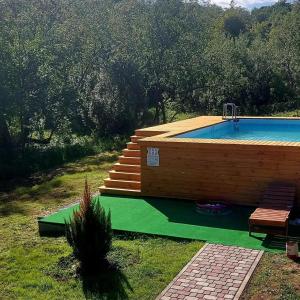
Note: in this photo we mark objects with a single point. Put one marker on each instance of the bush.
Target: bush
(89, 233)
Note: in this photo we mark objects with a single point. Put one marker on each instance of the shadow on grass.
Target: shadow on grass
(7, 209)
(15, 203)
(109, 283)
(279, 242)
(103, 281)
(45, 187)
(43, 177)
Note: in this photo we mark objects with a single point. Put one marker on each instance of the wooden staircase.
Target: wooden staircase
(125, 177)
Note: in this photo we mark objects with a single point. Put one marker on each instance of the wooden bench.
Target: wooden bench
(272, 215)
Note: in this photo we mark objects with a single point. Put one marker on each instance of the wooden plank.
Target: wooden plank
(269, 223)
(127, 168)
(133, 146)
(129, 160)
(113, 191)
(131, 153)
(123, 184)
(124, 175)
(270, 211)
(135, 138)
(184, 125)
(269, 216)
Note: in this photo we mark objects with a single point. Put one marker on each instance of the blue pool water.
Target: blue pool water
(250, 129)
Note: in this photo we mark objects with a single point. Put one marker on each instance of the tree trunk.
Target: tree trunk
(156, 116)
(163, 111)
(5, 137)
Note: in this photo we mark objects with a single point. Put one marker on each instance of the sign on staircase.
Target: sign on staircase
(152, 157)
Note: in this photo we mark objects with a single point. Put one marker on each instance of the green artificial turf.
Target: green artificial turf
(173, 218)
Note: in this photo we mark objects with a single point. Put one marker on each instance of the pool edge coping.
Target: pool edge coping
(168, 135)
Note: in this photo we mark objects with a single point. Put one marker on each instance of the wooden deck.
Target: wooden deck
(202, 169)
(180, 126)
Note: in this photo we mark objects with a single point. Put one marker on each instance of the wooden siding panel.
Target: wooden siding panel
(229, 172)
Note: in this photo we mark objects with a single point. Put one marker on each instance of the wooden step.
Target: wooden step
(131, 153)
(122, 184)
(129, 160)
(113, 191)
(133, 146)
(127, 168)
(147, 133)
(135, 138)
(124, 175)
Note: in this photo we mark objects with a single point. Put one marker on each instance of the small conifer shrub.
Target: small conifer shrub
(89, 232)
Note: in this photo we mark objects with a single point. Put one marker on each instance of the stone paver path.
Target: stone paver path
(215, 272)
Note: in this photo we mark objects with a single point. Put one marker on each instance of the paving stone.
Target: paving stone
(209, 297)
(195, 291)
(191, 298)
(183, 280)
(216, 272)
(213, 277)
(178, 287)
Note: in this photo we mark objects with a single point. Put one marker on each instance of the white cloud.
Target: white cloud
(244, 3)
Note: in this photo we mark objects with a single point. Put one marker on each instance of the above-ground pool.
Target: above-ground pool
(209, 160)
(249, 129)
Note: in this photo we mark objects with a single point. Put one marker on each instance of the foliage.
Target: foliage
(103, 68)
(89, 233)
(235, 22)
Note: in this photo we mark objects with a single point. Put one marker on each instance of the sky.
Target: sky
(249, 4)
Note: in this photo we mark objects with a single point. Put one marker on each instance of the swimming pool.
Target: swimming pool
(249, 129)
(218, 163)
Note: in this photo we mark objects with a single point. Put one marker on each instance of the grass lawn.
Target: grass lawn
(41, 268)
(276, 277)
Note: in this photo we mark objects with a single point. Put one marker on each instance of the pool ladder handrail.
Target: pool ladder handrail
(234, 111)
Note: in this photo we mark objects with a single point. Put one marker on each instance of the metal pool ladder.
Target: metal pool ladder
(233, 109)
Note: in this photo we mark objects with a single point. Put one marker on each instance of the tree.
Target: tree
(235, 22)
(232, 4)
(103, 68)
(89, 233)
(285, 45)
